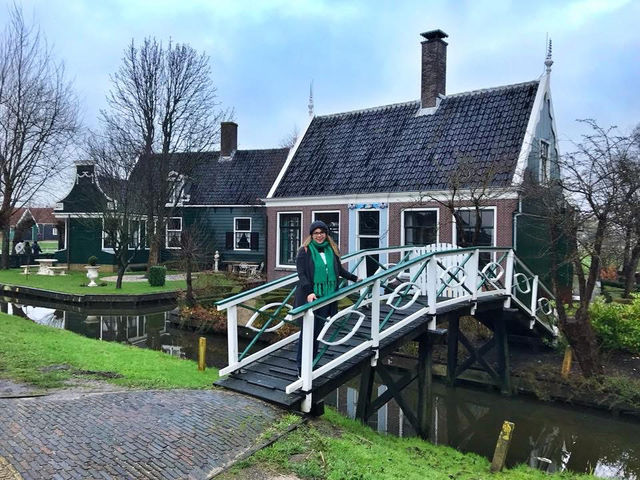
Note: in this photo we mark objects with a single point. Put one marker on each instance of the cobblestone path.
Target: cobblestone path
(177, 434)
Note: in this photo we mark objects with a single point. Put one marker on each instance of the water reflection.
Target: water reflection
(547, 437)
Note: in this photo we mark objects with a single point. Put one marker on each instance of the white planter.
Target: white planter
(92, 274)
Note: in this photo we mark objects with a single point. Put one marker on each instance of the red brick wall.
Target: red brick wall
(272, 229)
(504, 225)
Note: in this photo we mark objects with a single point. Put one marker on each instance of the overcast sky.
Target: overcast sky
(359, 54)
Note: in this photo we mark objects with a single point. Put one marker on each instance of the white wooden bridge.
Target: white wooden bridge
(416, 293)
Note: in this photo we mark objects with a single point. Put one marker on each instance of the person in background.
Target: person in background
(36, 249)
(319, 269)
(28, 252)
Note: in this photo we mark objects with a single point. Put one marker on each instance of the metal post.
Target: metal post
(232, 335)
(306, 369)
(508, 279)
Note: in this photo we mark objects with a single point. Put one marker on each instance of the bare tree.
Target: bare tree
(468, 190)
(163, 101)
(291, 138)
(194, 248)
(38, 118)
(582, 208)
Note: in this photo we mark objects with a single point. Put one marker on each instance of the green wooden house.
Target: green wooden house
(222, 195)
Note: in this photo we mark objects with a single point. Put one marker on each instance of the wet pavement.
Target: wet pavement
(132, 434)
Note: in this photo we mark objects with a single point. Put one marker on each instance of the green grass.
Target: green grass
(75, 282)
(338, 448)
(28, 350)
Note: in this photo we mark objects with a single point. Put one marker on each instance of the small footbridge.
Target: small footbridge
(405, 294)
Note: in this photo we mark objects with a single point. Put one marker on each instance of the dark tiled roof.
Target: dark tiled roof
(391, 149)
(242, 179)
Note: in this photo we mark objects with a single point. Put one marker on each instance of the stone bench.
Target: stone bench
(58, 270)
(26, 269)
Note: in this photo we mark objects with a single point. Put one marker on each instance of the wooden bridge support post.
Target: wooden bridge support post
(452, 348)
(502, 350)
(425, 349)
(363, 408)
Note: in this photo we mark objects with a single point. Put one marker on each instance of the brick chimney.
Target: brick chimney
(228, 138)
(434, 67)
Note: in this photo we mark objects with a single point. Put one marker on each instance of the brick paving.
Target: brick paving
(177, 434)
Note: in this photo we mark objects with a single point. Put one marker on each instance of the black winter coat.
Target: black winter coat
(305, 268)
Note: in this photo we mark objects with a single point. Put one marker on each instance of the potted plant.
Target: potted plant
(92, 270)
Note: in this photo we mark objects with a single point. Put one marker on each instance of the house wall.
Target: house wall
(392, 236)
(273, 271)
(217, 221)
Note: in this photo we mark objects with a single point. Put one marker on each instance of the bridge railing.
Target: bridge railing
(429, 281)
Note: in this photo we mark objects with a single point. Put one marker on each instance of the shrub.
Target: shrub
(617, 325)
(92, 260)
(157, 276)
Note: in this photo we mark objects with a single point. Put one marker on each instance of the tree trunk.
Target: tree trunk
(629, 271)
(6, 248)
(190, 299)
(154, 252)
(121, 269)
(582, 339)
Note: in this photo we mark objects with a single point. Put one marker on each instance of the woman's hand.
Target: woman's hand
(311, 297)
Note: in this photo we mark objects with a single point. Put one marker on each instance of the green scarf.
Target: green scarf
(325, 280)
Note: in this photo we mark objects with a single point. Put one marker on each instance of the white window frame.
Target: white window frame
(428, 209)
(146, 242)
(278, 264)
(454, 233)
(166, 233)
(544, 168)
(54, 231)
(313, 219)
(248, 232)
(110, 249)
(358, 235)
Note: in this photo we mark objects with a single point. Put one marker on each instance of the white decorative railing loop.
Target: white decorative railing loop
(519, 278)
(332, 320)
(397, 295)
(263, 310)
(450, 276)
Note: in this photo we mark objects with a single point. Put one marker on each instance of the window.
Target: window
(176, 188)
(137, 233)
(332, 219)
(468, 218)
(544, 161)
(420, 227)
(174, 232)
(369, 236)
(242, 233)
(289, 237)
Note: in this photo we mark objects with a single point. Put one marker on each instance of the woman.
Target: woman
(319, 268)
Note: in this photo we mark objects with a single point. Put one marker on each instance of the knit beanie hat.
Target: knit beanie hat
(318, 224)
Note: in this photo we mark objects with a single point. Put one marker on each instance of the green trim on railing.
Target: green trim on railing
(446, 285)
(266, 324)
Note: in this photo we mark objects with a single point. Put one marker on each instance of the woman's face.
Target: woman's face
(319, 235)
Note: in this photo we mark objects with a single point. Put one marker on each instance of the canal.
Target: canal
(550, 437)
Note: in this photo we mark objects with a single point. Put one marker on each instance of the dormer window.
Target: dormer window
(544, 161)
(176, 188)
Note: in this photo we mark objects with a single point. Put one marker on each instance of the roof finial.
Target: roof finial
(548, 61)
(311, 99)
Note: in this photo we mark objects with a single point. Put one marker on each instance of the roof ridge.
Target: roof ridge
(372, 109)
(491, 89)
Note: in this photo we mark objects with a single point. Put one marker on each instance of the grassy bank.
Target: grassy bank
(76, 282)
(46, 357)
(334, 447)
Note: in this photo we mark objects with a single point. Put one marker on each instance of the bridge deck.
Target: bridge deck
(268, 377)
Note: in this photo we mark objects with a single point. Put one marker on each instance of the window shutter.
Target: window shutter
(255, 237)
(229, 241)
